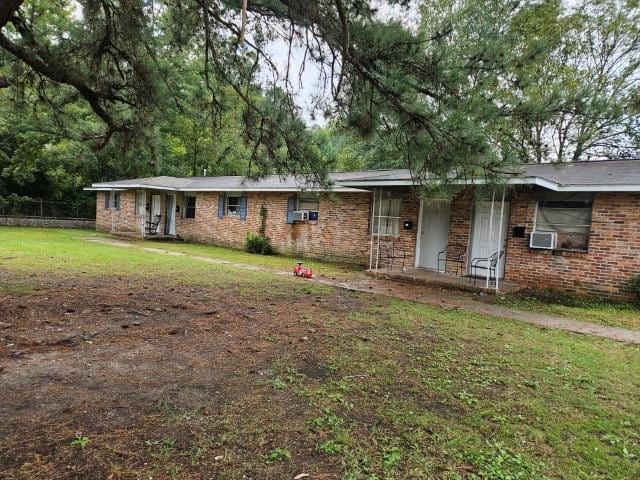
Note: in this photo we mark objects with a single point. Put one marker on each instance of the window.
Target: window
(116, 201)
(386, 217)
(308, 203)
(140, 202)
(569, 216)
(190, 207)
(233, 206)
(107, 200)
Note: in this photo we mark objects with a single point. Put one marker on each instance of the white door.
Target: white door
(171, 215)
(155, 207)
(487, 232)
(140, 209)
(434, 232)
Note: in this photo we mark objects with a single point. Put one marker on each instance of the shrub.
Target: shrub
(634, 286)
(258, 244)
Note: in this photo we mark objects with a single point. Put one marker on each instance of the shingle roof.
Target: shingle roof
(224, 183)
(609, 172)
(612, 175)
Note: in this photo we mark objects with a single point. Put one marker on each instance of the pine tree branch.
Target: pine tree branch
(64, 75)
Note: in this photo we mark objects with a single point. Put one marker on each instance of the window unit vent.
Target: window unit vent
(300, 215)
(544, 240)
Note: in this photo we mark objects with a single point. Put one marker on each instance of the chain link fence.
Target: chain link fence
(36, 208)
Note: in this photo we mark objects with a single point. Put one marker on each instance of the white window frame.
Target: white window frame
(536, 228)
(391, 222)
(227, 205)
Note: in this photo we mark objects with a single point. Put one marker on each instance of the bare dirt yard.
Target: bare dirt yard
(156, 376)
(121, 364)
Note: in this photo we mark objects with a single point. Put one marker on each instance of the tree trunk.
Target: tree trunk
(7, 9)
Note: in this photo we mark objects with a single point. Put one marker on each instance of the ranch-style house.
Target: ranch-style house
(573, 227)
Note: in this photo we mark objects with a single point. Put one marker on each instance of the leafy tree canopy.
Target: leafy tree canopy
(93, 89)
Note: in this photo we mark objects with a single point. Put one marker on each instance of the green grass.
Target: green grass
(275, 262)
(411, 391)
(69, 252)
(439, 393)
(64, 250)
(587, 310)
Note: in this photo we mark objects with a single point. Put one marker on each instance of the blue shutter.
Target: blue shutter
(107, 200)
(291, 207)
(116, 201)
(221, 206)
(242, 206)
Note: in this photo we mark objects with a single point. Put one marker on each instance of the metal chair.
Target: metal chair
(151, 228)
(390, 253)
(491, 265)
(454, 253)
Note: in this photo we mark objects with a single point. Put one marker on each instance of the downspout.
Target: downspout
(143, 214)
(378, 231)
(500, 241)
(112, 201)
(493, 199)
(373, 219)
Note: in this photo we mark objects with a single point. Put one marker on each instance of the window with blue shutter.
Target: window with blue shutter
(221, 202)
(107, 200)
(291, 207)
(116, 201)
(242, 207)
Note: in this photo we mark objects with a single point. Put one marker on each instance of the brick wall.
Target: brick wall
(341, 232)
(406, 240)
(604, 270)
(123, 220)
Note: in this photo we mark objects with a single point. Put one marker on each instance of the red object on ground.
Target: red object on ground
(301, 271)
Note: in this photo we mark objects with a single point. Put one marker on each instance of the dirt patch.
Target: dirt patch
(154, 374)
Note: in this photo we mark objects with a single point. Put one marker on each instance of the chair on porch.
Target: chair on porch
(490, 265)
(151, 228)
(389, 253)
(453, 253)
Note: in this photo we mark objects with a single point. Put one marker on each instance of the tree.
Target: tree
(592, 71)
(410, 87)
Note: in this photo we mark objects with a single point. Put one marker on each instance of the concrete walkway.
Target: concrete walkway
(421, 294)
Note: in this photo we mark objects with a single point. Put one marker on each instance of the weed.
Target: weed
(500, 463)
(80, 441)
(330, 421)
(162, 448)
(391, 456)
(279, 454)
(466, 397)
(278, 383)
(634, 286)
(331, 447)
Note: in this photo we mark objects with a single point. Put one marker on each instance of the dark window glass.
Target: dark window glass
(233, 206)
(190, 208)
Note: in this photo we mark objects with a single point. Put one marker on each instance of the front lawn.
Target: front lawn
(121, 363)
(621, 315)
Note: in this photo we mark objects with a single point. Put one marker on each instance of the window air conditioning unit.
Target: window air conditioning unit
(300, 215)
(545, 240)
